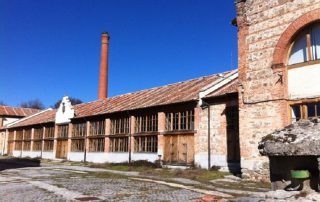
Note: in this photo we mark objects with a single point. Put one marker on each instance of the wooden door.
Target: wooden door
(179, 149)
(10, 148)
(62, 149)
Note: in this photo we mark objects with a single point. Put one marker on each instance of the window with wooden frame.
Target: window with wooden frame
(48, 145)
(63, 131)
(37, 145)
(96, 145)
(306, 46)
(119, 144)
(148, 143)
(26, 145)
(97, 128)
(120, 126)
(11, 135)
(19, 134)
(27, 134)
(79, 130)
(183, 120)
(38, 133)
(77, 145)
(305, 111)
(147, 123)
(49, 132)
(18, 145)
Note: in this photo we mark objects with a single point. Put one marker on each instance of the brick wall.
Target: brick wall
(265, 31)
(218, 134)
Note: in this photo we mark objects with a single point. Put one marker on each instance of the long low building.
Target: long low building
(168, 123)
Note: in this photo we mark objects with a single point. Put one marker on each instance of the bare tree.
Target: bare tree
(36, 104)
(73, 101)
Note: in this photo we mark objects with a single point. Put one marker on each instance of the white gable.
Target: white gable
(65, 111)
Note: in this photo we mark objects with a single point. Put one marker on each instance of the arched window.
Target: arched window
(306, 46)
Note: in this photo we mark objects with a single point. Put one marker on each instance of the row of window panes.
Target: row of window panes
(180, 121)
(49, 132)
(79, 130)
(27, 146)
(147, 123)
(97, 128)
(19, 135)
(11, 135)
(18, 145)
(48, 145)
(63, 131)
(305, 111)
(120, 126)
(77, 145)
(119, 144)
(27, 134)
(37, 146)
(146, 143)
(38, 133)
(96, 145)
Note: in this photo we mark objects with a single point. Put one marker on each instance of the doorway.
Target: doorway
(62, 149)
(179, 149)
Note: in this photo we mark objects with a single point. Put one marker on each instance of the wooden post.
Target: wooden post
(131, 138)
(42, 140)
(86, 142)
(55, 142)
(70, 128)
(107, 133)
(32, 141)
(161, 129)
(14, 141)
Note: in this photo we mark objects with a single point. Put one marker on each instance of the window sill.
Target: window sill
(303, 64)
(177, 132)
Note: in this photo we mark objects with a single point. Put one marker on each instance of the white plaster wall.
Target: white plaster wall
(9, 120)
(67, 114)
(151, 157)
(201, 160)
(304, 82)
(118, 157)
(76, 156)
(97, 157)
(48, 155)
(31, 154)
(16, 153)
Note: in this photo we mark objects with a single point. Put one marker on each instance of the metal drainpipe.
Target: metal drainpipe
(85, 143)
(209, 146)
(129, 137)
(205, 104)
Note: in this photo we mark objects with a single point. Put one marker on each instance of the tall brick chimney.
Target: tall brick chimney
(103, 81)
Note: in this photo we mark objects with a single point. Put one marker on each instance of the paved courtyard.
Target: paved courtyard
(31, 180)
(59, 183)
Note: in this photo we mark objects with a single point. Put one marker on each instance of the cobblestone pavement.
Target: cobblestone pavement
(52, 183)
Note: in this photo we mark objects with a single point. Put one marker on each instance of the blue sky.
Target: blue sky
(51, 48)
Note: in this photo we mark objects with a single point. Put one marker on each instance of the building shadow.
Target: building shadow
(11, 163)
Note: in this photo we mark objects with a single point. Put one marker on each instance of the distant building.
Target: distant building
(9, 115)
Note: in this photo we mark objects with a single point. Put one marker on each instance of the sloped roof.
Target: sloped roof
(180, 92)
(169, 94)
(231, 87)
(16, 111)
(45, 116)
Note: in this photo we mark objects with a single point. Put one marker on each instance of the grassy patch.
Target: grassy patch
(192, 174)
